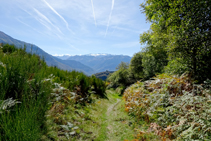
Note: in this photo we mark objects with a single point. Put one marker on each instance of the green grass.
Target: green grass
(103, 130)
(23, 125)
(109, 125)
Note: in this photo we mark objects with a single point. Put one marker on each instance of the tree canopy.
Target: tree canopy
(182, 29)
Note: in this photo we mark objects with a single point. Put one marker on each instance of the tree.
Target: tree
(121, 76)
(154, 55)
(135, 67)
(185, 26)
(122, 65)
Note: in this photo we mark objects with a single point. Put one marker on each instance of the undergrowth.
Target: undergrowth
(171, 107)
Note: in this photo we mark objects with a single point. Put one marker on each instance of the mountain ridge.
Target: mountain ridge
(49, 59)
(101, 63)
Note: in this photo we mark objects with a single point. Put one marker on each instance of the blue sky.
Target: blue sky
(76, 26)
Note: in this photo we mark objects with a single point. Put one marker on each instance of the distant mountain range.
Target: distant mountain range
(89, 64)
(99, 62)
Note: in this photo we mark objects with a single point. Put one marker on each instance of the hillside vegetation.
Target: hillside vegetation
(167, 84)
(36, 100)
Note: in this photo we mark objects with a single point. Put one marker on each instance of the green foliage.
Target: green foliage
(127, 74)
(122, 66)
(99, 87)
(8, 48)
(176, 66)
(26, 83)
(120, 90)
(181, 29)
(136, 67)
(154, 55)
(152, 64)
(120, 77)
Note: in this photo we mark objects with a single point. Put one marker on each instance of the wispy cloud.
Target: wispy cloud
(93, 12)
(66, 23)
(43, 20)
(29, 26)
(112, 7)
(73, 47)
(38, 19)
(46, 19)
(112, 4)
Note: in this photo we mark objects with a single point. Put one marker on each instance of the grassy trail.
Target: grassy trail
(109, 121)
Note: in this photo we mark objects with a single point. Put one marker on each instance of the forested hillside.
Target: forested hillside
(170, 78)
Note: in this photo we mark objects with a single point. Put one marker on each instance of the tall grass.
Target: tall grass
(25, 92)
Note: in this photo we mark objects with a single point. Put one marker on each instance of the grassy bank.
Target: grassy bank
(31, 92)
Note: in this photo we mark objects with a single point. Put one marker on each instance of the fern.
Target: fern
(175, 104)
(5, 105)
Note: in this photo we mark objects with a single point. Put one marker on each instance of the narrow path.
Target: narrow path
(111, 112)
(114, 121)
(109, 121)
